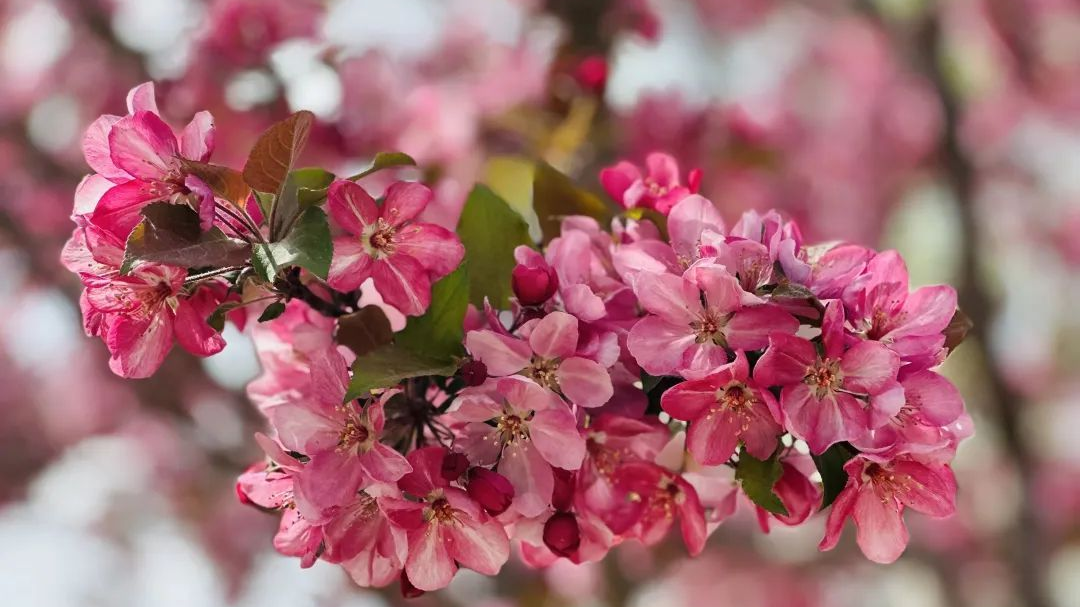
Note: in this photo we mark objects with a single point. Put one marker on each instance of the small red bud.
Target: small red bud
(562, 535)
(534, 285)
(474, 372)
(453, 466)
(491, 490)
(592, 74)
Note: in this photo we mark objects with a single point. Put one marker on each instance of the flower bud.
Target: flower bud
(592, 74)
(562, 535)
(491, 490)
(474, 372)
(533, 285)
(562, 495)
(453, 466)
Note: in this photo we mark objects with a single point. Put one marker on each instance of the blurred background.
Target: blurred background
(949, 130)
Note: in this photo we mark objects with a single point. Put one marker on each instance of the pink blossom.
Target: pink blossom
(876, 495)
(531, 430)
(694, 319)
(801, 496)
(879, 307)
(659, 188)
(403, 257)
(824, 395)
(723, 409)
(444, 526)
(341, 439)
(142, 156)
(139, 314)
(548, 357)
(655, 497)
(924, 424)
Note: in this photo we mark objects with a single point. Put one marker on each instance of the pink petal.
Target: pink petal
(580, 301)
(303, 428)
(785, 362)
(671, 297)
(404, 201)
(555, 336)
(751, 327)
(934, 397)
(192, 331)
(617, 179)
(143, 146)
(554, 433)
(586, 383)
(329, 380)
(659, 346)
(197, 140)
(350, 266)
(688, 219)
(869, 367)
(96, 149)
(825, 422)
(501, 354)
(841, 509)
(662, 168)
(142, 98)
(722, 291)
(89, 191)
(403, 283)
(437, 249)
(383, 464)
(119, 209)
(653, 256)
(928, 488)
(530, 474)
(139, 346)
(351, 207)
(330, 479)
(881, 533)
(927, 311)
(712, 439)
(482, 547)
(430, 566)
(426, 472)
(692, 520)
(690, 399)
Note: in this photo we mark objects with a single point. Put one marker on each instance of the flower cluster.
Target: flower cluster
(435, 397)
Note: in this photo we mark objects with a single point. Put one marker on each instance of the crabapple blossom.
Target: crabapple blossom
(659, 188)
(385, 243)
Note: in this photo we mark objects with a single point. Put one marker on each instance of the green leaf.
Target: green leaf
(364, 331)
(389, 365)
(830, 465)
(490, 231)
(309, 185)
(428, 345)
(555, 196)
(307, 245)
(216, 320)
(440, 331)
(170, 234)
(272, 311)
(758, 478)
(385, 160)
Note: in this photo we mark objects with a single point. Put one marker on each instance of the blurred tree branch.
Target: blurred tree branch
(1025, 545)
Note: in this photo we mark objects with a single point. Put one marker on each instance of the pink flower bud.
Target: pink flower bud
(453, 466)
(534, 285)
(592, 74)
(491, 490)
(562, 535)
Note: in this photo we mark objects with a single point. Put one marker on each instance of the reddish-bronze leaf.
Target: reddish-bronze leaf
(275, 152)
(225, 182)
(364, 331)
(957, 329)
